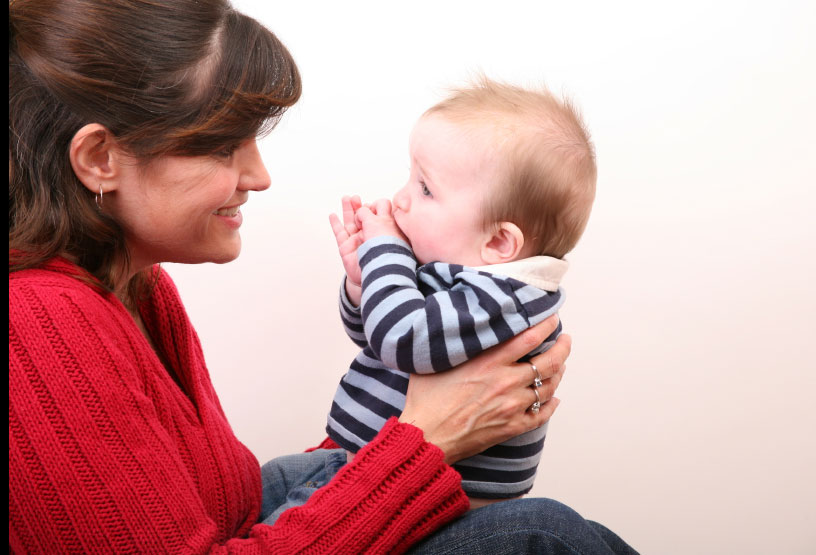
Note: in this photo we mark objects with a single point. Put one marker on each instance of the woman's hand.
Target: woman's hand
(484, 401)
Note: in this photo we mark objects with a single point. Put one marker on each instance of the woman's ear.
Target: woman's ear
(95, 158)
(503, 245)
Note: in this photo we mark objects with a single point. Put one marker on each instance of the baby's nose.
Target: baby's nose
(401, 200)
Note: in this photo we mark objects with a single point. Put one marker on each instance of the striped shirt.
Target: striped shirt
(430, 319)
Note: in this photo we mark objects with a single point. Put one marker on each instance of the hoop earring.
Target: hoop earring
(99, 199)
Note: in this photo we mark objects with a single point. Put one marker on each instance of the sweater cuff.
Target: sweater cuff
(417, 466)
(396, 491)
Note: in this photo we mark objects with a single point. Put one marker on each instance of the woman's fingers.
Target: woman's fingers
(547, 388)
(551, 362)
(488, 399)
(544, 413)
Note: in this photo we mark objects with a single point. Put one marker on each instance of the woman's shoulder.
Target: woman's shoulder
(61, 317)
(58, 303)
(59, 277)
(54, 275)
(51, 285)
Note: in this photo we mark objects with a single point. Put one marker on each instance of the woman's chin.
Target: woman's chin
(228, 255)
(220, 255)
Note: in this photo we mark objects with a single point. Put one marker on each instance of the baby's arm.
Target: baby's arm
(473, 311)
(351, 318)
(349, 237)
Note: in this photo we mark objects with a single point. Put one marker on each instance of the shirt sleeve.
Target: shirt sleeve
(351, 317)
(470, 312)
(92, 469)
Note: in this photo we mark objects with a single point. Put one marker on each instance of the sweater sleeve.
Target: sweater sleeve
(470, 312)
(395, 492)
(93, 469)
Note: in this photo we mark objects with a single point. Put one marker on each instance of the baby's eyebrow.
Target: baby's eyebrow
(422, 169)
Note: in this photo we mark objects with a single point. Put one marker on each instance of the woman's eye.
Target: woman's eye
(226, 152)
(424, 188)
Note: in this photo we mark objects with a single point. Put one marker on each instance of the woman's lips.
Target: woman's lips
(228, 211)
(230, 215)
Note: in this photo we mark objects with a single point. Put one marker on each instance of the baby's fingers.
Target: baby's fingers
(364, 213)
(382, 207)
(350, 207)
(340, 233)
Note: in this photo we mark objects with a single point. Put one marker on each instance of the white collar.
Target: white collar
(544, 272)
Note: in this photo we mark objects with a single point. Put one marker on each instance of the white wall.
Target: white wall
(687, 416)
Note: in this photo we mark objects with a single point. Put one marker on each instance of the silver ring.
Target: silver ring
(536, 376)
(535, 407)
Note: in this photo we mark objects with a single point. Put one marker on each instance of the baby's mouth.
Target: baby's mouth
(406, 238)
(396, 221)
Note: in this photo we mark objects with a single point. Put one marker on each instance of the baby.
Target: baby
(467, 255)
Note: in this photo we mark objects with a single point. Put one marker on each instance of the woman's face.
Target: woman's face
(186, 209)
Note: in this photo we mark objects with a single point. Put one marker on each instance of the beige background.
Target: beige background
(687, 415)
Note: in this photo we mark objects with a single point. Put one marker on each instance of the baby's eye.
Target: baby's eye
(424, 188)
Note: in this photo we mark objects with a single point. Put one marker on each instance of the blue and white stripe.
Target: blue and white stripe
(429, 320)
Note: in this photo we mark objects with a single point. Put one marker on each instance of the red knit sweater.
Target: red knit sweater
(107, 453)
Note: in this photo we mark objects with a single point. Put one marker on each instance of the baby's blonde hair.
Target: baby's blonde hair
(547, 183)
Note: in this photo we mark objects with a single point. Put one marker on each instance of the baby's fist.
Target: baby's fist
(376, 220)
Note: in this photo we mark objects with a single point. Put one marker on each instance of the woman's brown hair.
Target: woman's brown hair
(181, 77)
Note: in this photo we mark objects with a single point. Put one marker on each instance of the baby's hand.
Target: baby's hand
(349, 236)
(376, 220)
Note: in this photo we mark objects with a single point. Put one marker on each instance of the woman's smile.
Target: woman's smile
(230, 216)
(199, 188)
(228, 211)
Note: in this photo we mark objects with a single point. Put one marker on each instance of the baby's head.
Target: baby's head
(498, 173)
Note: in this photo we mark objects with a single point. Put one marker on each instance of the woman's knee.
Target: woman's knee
(531, 525)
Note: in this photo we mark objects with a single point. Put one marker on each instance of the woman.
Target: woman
(132, 133)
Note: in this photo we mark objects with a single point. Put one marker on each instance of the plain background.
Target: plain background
(686, 422)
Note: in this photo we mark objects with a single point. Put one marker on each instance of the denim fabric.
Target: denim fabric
(289, 481)
(516, 526)
(534, 525)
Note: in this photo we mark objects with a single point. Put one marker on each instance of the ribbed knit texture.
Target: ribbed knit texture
(107, 454)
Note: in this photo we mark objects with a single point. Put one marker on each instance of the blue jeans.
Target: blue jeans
(291, 480)
(532, 525)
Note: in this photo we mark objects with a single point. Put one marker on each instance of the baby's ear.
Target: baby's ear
(503, 245)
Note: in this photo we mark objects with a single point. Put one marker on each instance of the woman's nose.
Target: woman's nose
(254, 176)
(402, 200)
